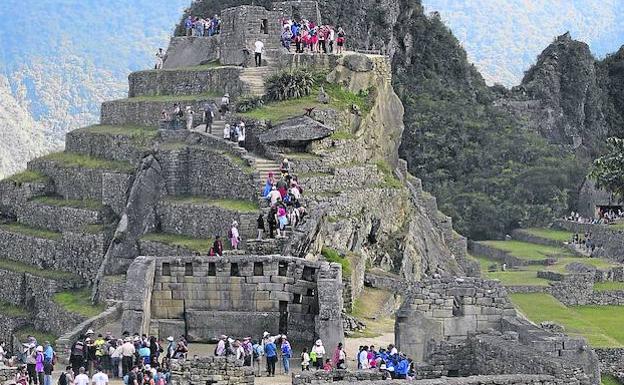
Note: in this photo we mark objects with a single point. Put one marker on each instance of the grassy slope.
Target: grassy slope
(19, 267)
(366, 307)
(555, 235)
(31, 231)
(78, 301)
(227, 204)
(77, 160)
(608, 286)
(528, 251)
(27, 176)
(599, 324)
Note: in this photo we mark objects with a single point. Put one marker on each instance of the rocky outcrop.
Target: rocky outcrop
(296, 131)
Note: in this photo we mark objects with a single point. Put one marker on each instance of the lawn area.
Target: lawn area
(78, 301)
(608, 379)
(200, 245)
(528, 251)
(332, 255)
(599, 324)
(27, 176)
(366, 307)
(89, 204)
(18, 267)
(552, 234)
(11, 310)
(240, 206)
(31, 231)
(608, 286)
(341, 99)
(139, 134)
(77, 160)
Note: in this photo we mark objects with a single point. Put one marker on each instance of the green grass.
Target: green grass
(554, 235)
(331, 255)
(608, 286)
(607, 379)
(138, 134)
(89, 204)
(366, 307)
(599, 324)
(31, 231)
(170, 98)
(22, 335)
(28, 176)
(11, 310)
(200, 245)
(77, 160)
(341, 99)
(528, 251)
(240, 162)
(19, 267)
(390, 181)
(227, 204)
(342, 135)
(78, 301)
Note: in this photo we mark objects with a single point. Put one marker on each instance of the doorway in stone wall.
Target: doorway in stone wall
(283, 317)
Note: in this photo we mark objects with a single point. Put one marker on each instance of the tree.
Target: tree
(608, 170)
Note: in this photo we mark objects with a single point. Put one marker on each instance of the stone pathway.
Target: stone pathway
(254, 77)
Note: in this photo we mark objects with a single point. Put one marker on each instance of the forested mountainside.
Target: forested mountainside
(60, 59)
(504, 37)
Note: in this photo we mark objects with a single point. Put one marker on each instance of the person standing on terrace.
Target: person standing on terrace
(259, 49)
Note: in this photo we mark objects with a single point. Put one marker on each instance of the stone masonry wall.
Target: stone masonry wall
(57, 218)
(105, 146)
(13, 196)
(143, 112)
(609, 241)
(362, 376)
(195, 81)
(192, 51)
(449, 309)
(210, 370)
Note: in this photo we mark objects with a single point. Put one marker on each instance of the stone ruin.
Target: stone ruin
(122, 189)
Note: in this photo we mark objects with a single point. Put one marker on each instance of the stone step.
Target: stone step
(205, 218)
(187, 81)
(58, 214)
(146, 111)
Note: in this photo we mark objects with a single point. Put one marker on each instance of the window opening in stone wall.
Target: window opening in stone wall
(283, 317)
(308, 274)
(311, 292)
(188, 269)
(282, 269)
(264, 26)
(166, 269)
(258, 269)
(234, 270)
(297, 299)
(212, 269)
(453, 373)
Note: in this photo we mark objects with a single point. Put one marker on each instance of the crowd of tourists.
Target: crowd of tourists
(605, 216)
(307, 36)
(284, 195)
(584, 242)
(200, 27)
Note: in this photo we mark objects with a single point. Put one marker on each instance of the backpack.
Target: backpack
(313, 356)
(62, 379)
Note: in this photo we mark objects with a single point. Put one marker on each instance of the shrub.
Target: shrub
(249, 103)
(290, 84)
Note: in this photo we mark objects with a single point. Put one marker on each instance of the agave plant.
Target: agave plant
(290, 84)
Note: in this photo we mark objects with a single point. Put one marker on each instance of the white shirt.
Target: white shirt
(259, 46)
(241, 134)
(319, 350)
(100, 378)
(363, 359)
(81, 379)
(274, 195)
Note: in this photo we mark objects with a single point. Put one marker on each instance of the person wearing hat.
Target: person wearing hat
(30, 355)
(402, 368)
(189, 118)
(286, 354)
(318, 350)
(258, 352)
(77, 356)
(225, 105)
(248, 348)
(263, 343)
(270, 350)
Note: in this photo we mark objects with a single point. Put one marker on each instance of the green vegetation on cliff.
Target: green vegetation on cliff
(68, 159)
(28, 176)
(31, 231)
(240, 206)
(332, 255)
(19, 267)
(78, 301)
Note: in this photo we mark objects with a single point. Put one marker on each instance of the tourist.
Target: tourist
(234, 133)
(331, 36)
(90, 355)
(226, 132)
(181, 349)
(286, 354)
(100, 378)
(76, 358)
(22, 377)
(217, 247)
(208, 117)
(363, 358)
(305, 360)
(322, 36)
(48, 352)
(99, 350)
(66, 377)
(39, 360)
(239, 351)
(274, 196)
(272, 219)
(2, 351)
(116, 360)
(48, 368)
(258, 50)
(189, 118)
(241, 134)
(340, 40)
(285, 167)
(402, 367)
(248, 348)
(144, 355)
(188, 25)
(133, 376)
(258, 352)
(81, 378)
(170, 351)
(234, 236)
(260, 222)
(286, 38)
(160, 57)
(30, 355)
(328, 366)
(340, 357)
(220, 350)
(319, 351)
(271, 354)
(127, 355)
(282, 220)
(225, 106)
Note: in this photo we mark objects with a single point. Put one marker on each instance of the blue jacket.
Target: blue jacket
(270, 349)
(402, 367)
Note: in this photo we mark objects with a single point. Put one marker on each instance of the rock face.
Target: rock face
(296, 131)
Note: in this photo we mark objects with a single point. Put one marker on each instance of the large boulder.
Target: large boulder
(358, 63)
(296, 131)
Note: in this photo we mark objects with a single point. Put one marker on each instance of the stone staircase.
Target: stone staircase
(253, 78)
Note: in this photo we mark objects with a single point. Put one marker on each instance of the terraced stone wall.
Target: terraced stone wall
(144, 112)
(238, 296)
(104, 146)
(75, 252)
(182, 81)
(609, 241)
(57, 218)
(13, 195)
